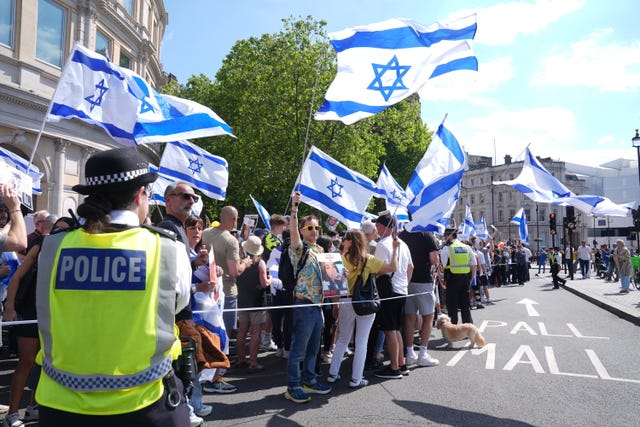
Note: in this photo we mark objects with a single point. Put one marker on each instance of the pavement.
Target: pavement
(604, 294)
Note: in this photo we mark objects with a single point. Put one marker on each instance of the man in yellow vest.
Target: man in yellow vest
(107, 296)
(459, 270)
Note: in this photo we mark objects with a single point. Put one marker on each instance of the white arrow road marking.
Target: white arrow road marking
(529, 304)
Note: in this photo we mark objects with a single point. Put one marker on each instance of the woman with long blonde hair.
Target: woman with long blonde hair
(357, 260)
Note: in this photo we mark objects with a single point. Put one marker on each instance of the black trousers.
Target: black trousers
(154, 415)
(458, 297)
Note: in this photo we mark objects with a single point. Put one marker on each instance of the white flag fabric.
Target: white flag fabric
(264, 214)
(334, 189)
(481, 228)
(521, 220)
(21, 165)
(394, 196)
(540, 185)
(469, 226)
(185, 161)
(93, 89)
(383, 63)
(434, 187)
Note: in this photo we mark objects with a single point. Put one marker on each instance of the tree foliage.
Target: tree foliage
(266, 90)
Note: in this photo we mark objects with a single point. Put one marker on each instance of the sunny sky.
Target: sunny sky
(561, 75)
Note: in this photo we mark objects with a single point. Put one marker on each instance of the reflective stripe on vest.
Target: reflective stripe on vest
(459, 261)
(104, 290)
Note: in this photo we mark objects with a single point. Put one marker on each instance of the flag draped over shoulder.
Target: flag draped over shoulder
(334, 189)
(381, 64)
(394, 196)
(521, 220)
(185, 161)
(264, 215)
(541, 186)
(434, 187)
(93, 89)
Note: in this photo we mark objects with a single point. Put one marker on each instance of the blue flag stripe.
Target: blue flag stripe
(328, 202)
(95, 64)
(468, 63)
(402, 38)
(201, 185)
(177, 125)
(451, 143)
(436, 189)
(340, 171)
(344, 108)
(205, 154)
(65, 110)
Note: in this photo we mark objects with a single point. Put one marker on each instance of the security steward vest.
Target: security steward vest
(459, 258)
(106, 308)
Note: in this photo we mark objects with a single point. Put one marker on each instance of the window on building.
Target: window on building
(500, 196)
(125, 61)
(481, 181)
(510, 196)
(128, 6)
(51, 32)
(510, 176)
(527, 213)
(472, 199)
(500, 216)
(512, 213)
(481, 196)
(103, 44)
(542, 214)
(7, 10)
(472, 183)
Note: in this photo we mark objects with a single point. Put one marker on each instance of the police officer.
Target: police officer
(107, 296)
(459, 270)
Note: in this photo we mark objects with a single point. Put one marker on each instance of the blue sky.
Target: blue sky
(561, 75)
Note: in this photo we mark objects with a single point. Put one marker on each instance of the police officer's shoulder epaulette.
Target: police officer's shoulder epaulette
(161, 231)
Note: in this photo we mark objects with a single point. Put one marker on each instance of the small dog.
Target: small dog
(451, 332)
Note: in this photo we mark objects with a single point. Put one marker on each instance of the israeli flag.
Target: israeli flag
(185, 161)
(334, 189)
(97, 91)
(21, 164)
(481, 228)
(469, 226)
(540, 185)
(381, 64)
(394, 196)
(264, 215)
(434, 187)
(521, 220)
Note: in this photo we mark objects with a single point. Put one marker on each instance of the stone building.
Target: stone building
(36, 37)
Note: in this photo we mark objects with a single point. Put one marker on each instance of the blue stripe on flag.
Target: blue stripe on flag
(468, 63)
(451, 143)
(436, 189)
(402, 38)
(66, 111)
(213, 159)
(95, 64)
(344, 108)
(340, 171)
(201, 185)
(329, 203)
(179, 125)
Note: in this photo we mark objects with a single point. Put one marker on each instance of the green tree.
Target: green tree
(266, 90)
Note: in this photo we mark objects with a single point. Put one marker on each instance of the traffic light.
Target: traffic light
(552, 223)
(570, 218)
(636, 218)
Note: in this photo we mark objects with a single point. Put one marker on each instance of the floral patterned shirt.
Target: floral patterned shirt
(309, 284)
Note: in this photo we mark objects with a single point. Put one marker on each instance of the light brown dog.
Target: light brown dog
(451, 332)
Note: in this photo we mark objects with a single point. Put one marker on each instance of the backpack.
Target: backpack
(365, 299)
(286, 273)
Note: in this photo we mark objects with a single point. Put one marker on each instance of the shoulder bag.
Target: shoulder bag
(365, 299)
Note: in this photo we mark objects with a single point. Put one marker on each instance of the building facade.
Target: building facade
(36, 37)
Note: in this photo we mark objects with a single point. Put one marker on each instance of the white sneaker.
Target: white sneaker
(427, 360)
(411, 359)
(327, 356)
(13, 420)
(195, 421)
(31, 413)
(379, 357)
(204, 411)
(361, 383)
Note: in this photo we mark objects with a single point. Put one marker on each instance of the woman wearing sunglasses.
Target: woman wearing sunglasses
(356, 258)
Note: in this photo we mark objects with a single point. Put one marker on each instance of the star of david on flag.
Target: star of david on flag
(381, 64)
(94, 90)
(395, 198)
(185, 161)
(336, 190)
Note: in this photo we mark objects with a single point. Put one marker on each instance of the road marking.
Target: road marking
(579, 335)
(518, 358)
(602, 371)
(553, 365)
(543, 331)
(529, 304)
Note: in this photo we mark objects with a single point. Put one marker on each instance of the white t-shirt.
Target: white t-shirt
(399, 281)
(584, 253)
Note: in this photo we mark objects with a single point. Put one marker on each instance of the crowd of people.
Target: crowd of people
(138, 299)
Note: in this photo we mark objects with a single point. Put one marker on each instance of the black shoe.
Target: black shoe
(404, 370)
(389, 373)
(372, 366)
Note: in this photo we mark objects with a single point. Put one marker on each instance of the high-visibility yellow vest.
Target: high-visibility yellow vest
(106, 317)
(459, 258)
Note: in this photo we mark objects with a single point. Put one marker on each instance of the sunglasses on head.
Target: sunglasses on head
(311, 227)
(187, 196)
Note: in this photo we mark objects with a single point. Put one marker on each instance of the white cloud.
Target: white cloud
(502, 23)
(609, 67)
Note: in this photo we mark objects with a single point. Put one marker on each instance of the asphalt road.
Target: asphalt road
(551, 359)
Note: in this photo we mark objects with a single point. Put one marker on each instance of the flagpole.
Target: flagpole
(306, 136)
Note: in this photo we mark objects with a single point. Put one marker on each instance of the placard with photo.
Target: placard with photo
(334, 280)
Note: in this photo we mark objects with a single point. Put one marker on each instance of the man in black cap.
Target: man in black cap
(459, 270)
(106, 302)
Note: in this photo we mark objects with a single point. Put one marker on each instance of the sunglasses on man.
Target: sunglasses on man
(311, 227)
(187, 196)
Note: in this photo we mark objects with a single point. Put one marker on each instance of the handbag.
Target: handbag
(365, 299)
